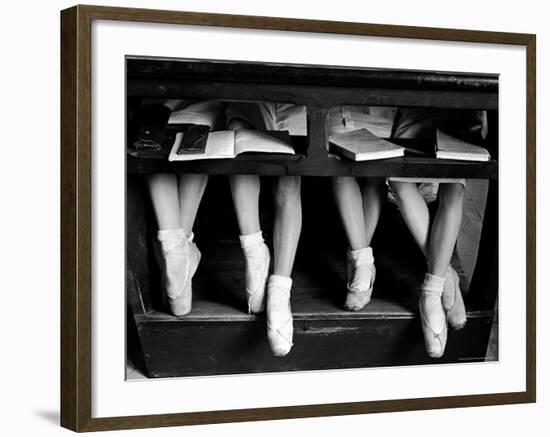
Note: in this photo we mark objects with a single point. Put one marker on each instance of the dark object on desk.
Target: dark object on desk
(194, 140)
(152, 132)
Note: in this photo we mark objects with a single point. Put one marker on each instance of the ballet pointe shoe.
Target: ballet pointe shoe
(257, 258)
(432, 316)
(279, 315)
(181, 258)
(361, 274)
(452, 300)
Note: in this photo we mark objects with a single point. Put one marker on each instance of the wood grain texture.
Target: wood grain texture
(76, 217)
(176, 348)
(184, 70)
(319, 163)
(531, 218)
(69, 311)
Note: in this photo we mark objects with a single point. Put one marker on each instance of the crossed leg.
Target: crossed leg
(176, 200)
(437, 245)
(359, 208)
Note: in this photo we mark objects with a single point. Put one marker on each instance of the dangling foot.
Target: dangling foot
(432, 315)
(452, 300)
(279, 315)
(256, 254)
(181, 258)
(361, 274)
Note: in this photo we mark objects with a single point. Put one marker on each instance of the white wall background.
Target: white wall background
(29, 218)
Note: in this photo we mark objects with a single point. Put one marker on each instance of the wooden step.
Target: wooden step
(219, 337)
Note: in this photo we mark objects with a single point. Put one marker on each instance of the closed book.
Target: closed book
(363, 145)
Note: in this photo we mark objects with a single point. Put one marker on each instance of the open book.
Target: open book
(363, 145)
(449, 147)
(228, 144)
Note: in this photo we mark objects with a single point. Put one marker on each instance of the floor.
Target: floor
(466, 252)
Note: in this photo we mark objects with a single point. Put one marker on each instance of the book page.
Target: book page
(221, 144)
(450, 145)
(363, 141)
(247, 140)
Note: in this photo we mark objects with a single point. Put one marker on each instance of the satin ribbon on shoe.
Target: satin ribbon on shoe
(435, 340)
(280, 327)
(181, 258)
(361, 274)
(256, 254)
(453, 303)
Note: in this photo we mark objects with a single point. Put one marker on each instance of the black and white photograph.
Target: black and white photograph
(295, 217)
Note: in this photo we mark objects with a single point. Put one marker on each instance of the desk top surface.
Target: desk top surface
(139, 68)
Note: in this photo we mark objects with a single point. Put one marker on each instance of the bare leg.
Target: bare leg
(359, 211)
(245, 190)
(414, 211)
(347, 195)
(178, 259)
(373, 197)
(287, 227)
(445, 228)
(163, 189)
(288, 223)
(191, 189)
(441, 245)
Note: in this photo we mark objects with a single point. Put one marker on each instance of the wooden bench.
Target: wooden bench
(219, 337)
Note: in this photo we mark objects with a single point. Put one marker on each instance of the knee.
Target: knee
(451, 195)
(237, 123)
(399, 189)
(287, 191)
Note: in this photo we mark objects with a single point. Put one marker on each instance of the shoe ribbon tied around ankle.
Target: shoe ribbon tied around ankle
(361, 256)
(279, 320)
(426, 292)
(358, 258)
(170, 245)
(279, 329)
(257, 260)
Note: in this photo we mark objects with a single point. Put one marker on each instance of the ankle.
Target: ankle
(280, 282)
(170, 239)
(251, 241)
(433, 284)
(361, 256)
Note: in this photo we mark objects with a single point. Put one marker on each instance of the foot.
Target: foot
(279, 315)
(432, 316)
(361, 274)
(452, 300)
(181, 258)
(257, 258)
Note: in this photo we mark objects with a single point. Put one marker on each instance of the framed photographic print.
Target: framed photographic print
(339, 216)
